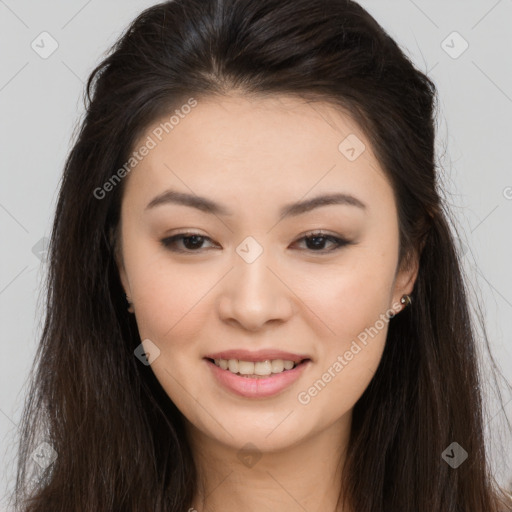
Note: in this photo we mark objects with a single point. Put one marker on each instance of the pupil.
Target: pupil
(317, 245)
(197, 240)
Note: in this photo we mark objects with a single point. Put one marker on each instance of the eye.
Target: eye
(193, 242)
(316, 241)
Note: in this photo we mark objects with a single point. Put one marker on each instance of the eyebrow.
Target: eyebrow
(290, 210)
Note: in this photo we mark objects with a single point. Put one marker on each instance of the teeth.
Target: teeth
(260, 368)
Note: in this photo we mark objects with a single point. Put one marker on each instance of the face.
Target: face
(253, 274)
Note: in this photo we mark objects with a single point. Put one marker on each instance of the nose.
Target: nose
(254, 294)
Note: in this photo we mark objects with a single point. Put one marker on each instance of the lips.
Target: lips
(260, 355)
(257, 388)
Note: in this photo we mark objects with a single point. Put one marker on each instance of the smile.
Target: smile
(256, 379)
(255, 369)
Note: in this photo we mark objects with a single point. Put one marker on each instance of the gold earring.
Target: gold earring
(130, 304)
(406, 300)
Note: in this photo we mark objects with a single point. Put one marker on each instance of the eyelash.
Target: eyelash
(168, 242)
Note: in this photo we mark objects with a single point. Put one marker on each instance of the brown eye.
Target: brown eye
(315, 242)
(191, 241)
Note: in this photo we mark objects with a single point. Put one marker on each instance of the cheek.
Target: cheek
(172, 311)
(175, 312)
(351, 306)
(341, 378)
(350, 297)
(355, 305)
(170, 300)
(354, 308)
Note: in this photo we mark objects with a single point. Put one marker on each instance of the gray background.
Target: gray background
(41, 102)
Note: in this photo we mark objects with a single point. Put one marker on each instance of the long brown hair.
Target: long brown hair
(119, 441)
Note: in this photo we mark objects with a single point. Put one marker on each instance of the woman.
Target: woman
(254, 299)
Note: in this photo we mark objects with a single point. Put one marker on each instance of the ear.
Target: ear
(116, 246)
(406, 276)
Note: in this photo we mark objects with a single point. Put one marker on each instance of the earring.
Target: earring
(406, 300)
(130, 304)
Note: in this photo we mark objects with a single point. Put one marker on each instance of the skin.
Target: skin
(254, 156)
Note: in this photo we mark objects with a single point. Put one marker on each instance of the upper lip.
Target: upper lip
(258, 355)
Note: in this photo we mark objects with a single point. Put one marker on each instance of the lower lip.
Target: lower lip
(261, 387)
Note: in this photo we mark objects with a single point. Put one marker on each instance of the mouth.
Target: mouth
(257, 369)
(261, 379)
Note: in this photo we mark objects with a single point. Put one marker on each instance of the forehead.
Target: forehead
(247, 146)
